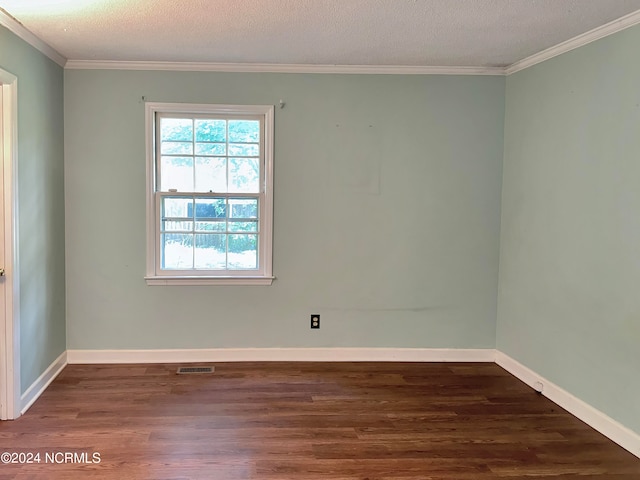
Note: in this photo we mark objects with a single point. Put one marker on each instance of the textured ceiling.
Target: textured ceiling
(331, 32)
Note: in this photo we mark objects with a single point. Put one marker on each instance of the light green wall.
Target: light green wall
(387, 210)
(570, 246)
(386, 216)
(41, 204)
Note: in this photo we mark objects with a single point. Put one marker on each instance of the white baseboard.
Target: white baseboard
(42, 382)
(610, 428)
(623, 436)
(283, 354)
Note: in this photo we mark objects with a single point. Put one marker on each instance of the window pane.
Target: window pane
(243, 226)
(214, 226)
(244, 175)
(211, 130)
(211, 174)
(176, 129)
(244, 131)
(211, 208)
(243, 251)
(173, 207)
(177, 251)
(172, 226)
(211, 251)
(243, 208)
(177, 172)
(176, 148)
(244, 149)
(211, 149)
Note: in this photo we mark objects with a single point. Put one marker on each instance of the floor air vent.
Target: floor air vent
(192, 370)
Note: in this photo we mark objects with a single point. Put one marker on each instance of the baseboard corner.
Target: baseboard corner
(36, 389)
(596, 419)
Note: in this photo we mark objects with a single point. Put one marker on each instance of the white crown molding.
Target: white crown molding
(16, 28)
(597, 33)
(281, 68)
(610, 428)
(282, 354)
(40, 385)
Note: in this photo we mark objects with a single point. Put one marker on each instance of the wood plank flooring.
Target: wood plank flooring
(310, 421)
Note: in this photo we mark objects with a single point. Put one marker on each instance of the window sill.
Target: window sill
(167, 280)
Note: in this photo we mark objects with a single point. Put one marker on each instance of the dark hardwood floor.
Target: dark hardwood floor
(337, 421)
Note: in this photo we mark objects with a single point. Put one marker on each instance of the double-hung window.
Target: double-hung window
(209, 194)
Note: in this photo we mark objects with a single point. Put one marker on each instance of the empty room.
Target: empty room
(320, 239)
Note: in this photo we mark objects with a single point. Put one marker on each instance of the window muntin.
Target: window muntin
(210, 233)
(209, 154)
(212, 198)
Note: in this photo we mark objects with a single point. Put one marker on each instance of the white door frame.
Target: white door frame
(10, 322)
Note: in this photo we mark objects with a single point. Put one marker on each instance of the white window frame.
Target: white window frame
(264, 274)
